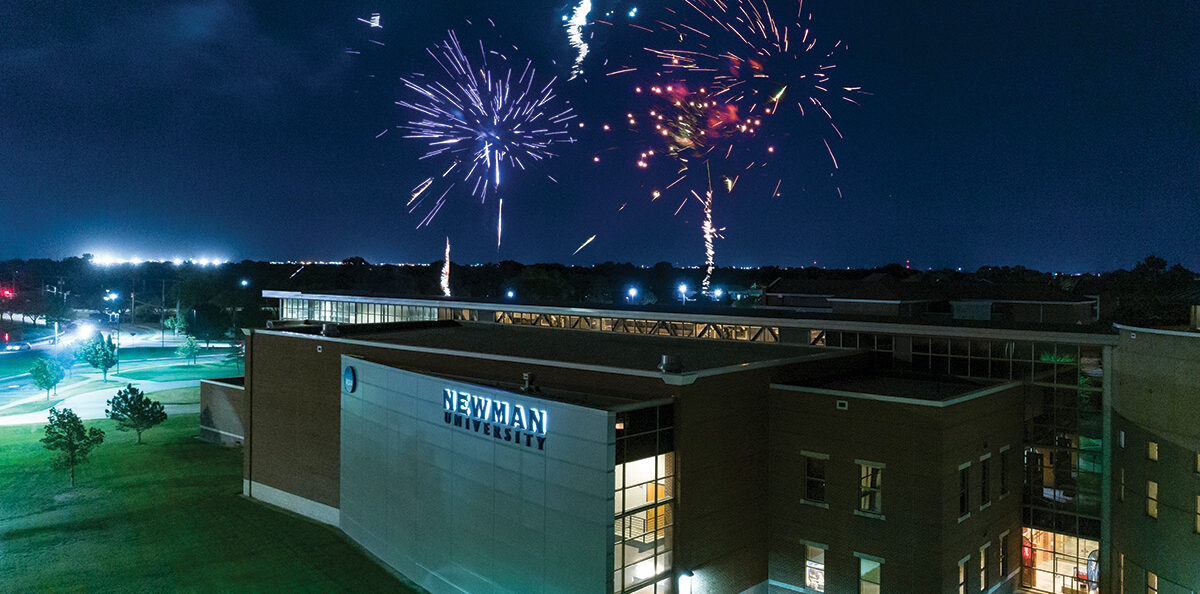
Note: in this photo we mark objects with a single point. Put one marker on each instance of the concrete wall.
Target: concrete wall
(1156, 398)
(456, 510)
(222, 411)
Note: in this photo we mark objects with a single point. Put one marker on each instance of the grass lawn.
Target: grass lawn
(161, 517)
(176, 396)
(20, 361)
(184, 371)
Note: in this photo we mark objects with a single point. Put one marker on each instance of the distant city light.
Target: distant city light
(510, 294)
(717, 293)
(109, 260)
(245, 283)
(683, 289)
(633, 292)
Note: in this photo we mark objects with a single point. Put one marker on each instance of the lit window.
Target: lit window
(1152, 499)
(962, 577)
(982, 569)
(985, 497)
(1003, 553)
(869, 576)
(869, 486)
(1198, 514)
(964, 493)
(1152, 450)
(1122, 439)
(814, 479)
(1151, 583)
(1121, 575)
(814, 576)
(1198, 462)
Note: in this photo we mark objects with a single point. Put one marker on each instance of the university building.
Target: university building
(499, 447)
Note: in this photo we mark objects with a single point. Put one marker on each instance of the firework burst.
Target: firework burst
(480, 118)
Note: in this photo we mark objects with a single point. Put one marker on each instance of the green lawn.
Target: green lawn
(20, 361)
(161, 517)
(176, 396)
(184, 371)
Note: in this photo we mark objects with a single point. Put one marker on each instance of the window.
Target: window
(814, 575)
(1121, 493)
(983, 568)
(1122, 439)
(1198, 462)
(1003, 473)
(814, 477)
(869, 485)
(1198, 514)
(1151, 583)
(985, 497)
(869, 573)
(962, 575)
(1152, 499)
(1152, 450)
(1003, 553)
(964, 493)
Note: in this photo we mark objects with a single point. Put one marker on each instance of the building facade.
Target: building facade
(1047, 471)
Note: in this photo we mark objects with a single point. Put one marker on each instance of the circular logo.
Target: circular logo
(349, 379)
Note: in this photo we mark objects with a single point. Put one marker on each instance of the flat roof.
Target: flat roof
(927, 324)
(592, 348)
(898, 385)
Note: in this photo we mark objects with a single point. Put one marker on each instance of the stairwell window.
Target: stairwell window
(1152, 451)
(1152, 499)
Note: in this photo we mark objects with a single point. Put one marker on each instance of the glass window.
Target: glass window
(1004, 472)
(1121, 492)
(1055, 562)
(1003, 553)
(982, 569)
(869, 489)
(1152, 450)
(985, 496)
(1198, 514)
(1151, 583)
(964, 494)
(962, 577)
(814, 479)
(1152, 499)
(814, 575)
(869, 574)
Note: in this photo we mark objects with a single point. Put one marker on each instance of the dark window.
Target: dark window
(814, 479)
(964, 493)
(1004, 472)
(985, 496)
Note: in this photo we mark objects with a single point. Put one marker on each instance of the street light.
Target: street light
(683, 294)
(717, 293)
(509, 294)
(633, 293)
(113, 298)
(245, 283)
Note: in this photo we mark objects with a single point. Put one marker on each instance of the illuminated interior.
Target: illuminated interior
(645, 492)
(1053, 562)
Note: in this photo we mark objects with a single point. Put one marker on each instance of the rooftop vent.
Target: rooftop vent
(527, 382)
(328, 329)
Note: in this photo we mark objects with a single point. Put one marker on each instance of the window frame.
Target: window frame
(964, 491)
(808, 546)
(1152, 499)
(809, 479)
(865, 491)
(1152, 451)
(864, 559)
(985, 487)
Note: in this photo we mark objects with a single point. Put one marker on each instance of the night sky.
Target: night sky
(1062, 136)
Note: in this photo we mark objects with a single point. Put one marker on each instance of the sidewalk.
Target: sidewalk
(91, 405)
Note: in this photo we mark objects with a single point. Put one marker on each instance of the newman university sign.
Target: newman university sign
(495, 418)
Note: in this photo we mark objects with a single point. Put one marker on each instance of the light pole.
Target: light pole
(114, 297)
(683, 294)
(633, 293)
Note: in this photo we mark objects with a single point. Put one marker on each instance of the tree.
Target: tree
(46, 374)
(132, 410)
(177, 323)
(100, 352)
(189, 349)
(66, 434)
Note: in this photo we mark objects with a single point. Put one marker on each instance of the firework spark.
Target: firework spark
(584, 244)
(445, 281)
(574, 27)
(481, 119)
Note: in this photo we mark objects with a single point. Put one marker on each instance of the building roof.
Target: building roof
(898, 385)
(619, 351)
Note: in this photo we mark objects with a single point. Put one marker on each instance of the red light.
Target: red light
(7, 293)
(5, 337)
